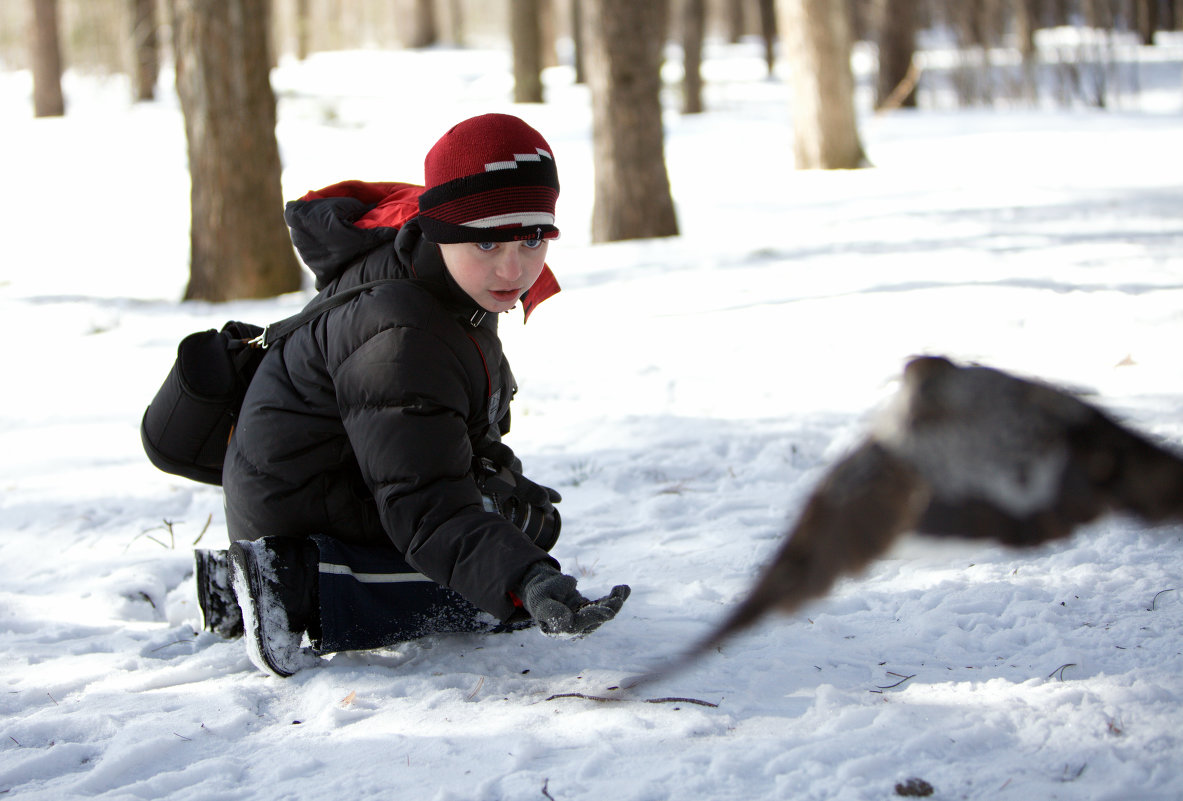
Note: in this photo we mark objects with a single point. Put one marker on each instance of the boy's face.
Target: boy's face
(495, 274)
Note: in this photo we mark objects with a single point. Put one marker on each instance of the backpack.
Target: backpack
(187, 426)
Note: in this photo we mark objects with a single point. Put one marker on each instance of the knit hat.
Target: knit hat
(491, 178)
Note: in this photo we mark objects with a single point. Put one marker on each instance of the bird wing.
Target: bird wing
(865, 501)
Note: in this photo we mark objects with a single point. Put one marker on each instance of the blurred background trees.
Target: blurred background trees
(639, 60)
(239, 245)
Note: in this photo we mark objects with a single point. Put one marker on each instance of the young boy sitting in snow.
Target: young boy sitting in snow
(369, 498)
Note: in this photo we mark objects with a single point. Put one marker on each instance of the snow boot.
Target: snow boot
(275, 579)
(215, 596)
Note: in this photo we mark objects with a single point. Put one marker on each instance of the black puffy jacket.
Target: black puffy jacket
(362, 424)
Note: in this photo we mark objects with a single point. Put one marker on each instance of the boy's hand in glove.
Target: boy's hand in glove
(551, 599)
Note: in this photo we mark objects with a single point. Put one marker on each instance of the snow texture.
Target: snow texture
(683, 394)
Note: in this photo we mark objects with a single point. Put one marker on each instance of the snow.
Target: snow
(683, 394)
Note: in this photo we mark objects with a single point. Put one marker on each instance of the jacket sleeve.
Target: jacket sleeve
(405, 401)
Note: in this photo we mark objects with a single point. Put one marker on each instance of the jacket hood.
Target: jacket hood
(333, 227)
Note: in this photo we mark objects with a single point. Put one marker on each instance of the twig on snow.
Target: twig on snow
(169, 644)
(902, 678)
(1058, 673)
(204, 528)
(1154, 602)
(545, 791)
(603, 699)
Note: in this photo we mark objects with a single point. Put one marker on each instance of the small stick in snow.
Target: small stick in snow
(603, 699)
(1154, 602)
(1059, 672)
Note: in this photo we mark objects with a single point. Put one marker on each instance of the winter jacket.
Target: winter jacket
(362, 425)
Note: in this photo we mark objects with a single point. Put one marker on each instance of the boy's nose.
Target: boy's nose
(510, 264)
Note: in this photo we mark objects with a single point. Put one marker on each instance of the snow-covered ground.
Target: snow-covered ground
(683, 394)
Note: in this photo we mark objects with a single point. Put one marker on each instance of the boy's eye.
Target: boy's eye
(486, 246)
(532, 243)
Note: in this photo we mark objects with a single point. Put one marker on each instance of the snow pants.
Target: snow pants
(369, 597)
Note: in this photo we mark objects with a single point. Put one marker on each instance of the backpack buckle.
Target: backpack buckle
(260, 341)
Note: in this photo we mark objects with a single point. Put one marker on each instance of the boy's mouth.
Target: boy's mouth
(504, 295)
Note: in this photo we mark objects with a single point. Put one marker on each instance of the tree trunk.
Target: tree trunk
(768, 32)
(577, 40)
(623, 49)
(1026, 16)
(817, 43)
(424, 31)
(239, 245)
(693, 31)
(733, 16)
(145, 49)
(525, 32)
(456, 29)
(1146, 20)
(47, 61)
(303, 21)
(548, 33)
(896, 84)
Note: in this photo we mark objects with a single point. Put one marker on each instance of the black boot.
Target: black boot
(275, 581)
(215, 596)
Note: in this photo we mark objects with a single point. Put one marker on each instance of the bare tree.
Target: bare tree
(145, 49)
(1026, 17)
(1146, 20)
(693, 32)
(424, 29)
(768, 33)
(896, 84)
(577, 40)
(734, 19)
(1100, 13)
(817, 44)
(456, 20)
(624, 41)
(239, 245)
(1026, 20)
(525, 33)
(47, 61)
(303, 22)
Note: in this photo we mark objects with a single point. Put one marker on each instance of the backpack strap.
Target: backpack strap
(278, 330)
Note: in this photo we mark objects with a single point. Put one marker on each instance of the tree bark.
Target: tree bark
(1146, 20)
(145, 49)
(623, 48)
(525, 33)
(577, 39)
(769, 33)
(303, 21)
(47, 61)
(733, 16)
(896, 85)
(424, 30)
(817, 43)
(239, 244)
(693, 32)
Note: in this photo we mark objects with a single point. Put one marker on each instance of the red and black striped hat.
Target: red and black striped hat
(491, 178)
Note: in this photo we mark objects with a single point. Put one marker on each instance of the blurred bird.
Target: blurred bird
(967, 452)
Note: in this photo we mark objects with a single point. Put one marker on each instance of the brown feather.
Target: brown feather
(967, 452)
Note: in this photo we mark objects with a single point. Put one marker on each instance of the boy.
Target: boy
(369, 497)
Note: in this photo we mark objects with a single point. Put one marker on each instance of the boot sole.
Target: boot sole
(270, 646)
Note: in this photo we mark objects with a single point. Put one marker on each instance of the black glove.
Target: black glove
(551, 599)
(519, 500)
